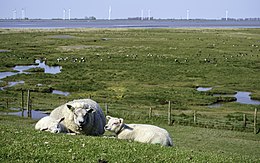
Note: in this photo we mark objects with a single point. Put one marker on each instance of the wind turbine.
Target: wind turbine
(64, 14)
(14, 14)
(23, 13)
(188, 14)
(142, 14)
(69, 13)
(109, 12)
(226, 15)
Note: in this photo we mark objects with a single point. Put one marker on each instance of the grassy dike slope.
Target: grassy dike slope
(21, 143)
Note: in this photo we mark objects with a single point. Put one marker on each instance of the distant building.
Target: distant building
(140, 18)
(241, 19)
(90, 18)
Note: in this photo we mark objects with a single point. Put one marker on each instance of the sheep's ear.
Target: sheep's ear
(121, 120)
(91, 110)
(108, 117)
(44, 129)
(71, 107)
(60, 120)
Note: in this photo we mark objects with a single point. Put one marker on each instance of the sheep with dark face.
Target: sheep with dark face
(83, 116)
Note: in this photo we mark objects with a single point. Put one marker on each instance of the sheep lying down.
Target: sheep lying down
(138, 132)
(82, 116)
(52, 125)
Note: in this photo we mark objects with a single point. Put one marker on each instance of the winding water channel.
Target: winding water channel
(241, 97)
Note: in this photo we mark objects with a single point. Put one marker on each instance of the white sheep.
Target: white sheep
(138, 132)
(50, 124)
(83, 116)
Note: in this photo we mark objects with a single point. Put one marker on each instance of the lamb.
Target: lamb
(82, 116)
(50, 124)
(138, 132)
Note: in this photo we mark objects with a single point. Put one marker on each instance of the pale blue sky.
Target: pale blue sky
(208, 9)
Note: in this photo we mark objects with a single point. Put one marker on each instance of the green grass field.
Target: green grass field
(133, 70)
(21, 143)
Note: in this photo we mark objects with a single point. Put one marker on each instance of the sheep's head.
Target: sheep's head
(54, 126)
(114, 124)
(80, 113)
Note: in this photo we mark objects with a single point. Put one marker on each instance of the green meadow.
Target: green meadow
(133, 70)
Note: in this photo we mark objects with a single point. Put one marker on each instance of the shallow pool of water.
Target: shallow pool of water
(241, 97)
(204, 89)
(5, 74)
(60, 93)
(40, 64)
(4, 50)
(245, 98)
(35, 114)
(47, 69)
(11, 84)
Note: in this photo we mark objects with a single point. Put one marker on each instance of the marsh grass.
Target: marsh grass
(133, 70)
(37, 69)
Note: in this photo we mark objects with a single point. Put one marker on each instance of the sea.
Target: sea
(81, 23)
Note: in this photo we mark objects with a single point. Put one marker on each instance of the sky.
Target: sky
(164, 9)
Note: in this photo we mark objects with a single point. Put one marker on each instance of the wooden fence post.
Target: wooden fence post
(22, 103)
(255, 121)
(195, 117)
(28, 104)
(106, 108)
(7, 104)
(150, 112)
(169, 113)
(244, 120)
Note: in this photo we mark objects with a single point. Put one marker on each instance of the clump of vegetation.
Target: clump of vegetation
(37, 69)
